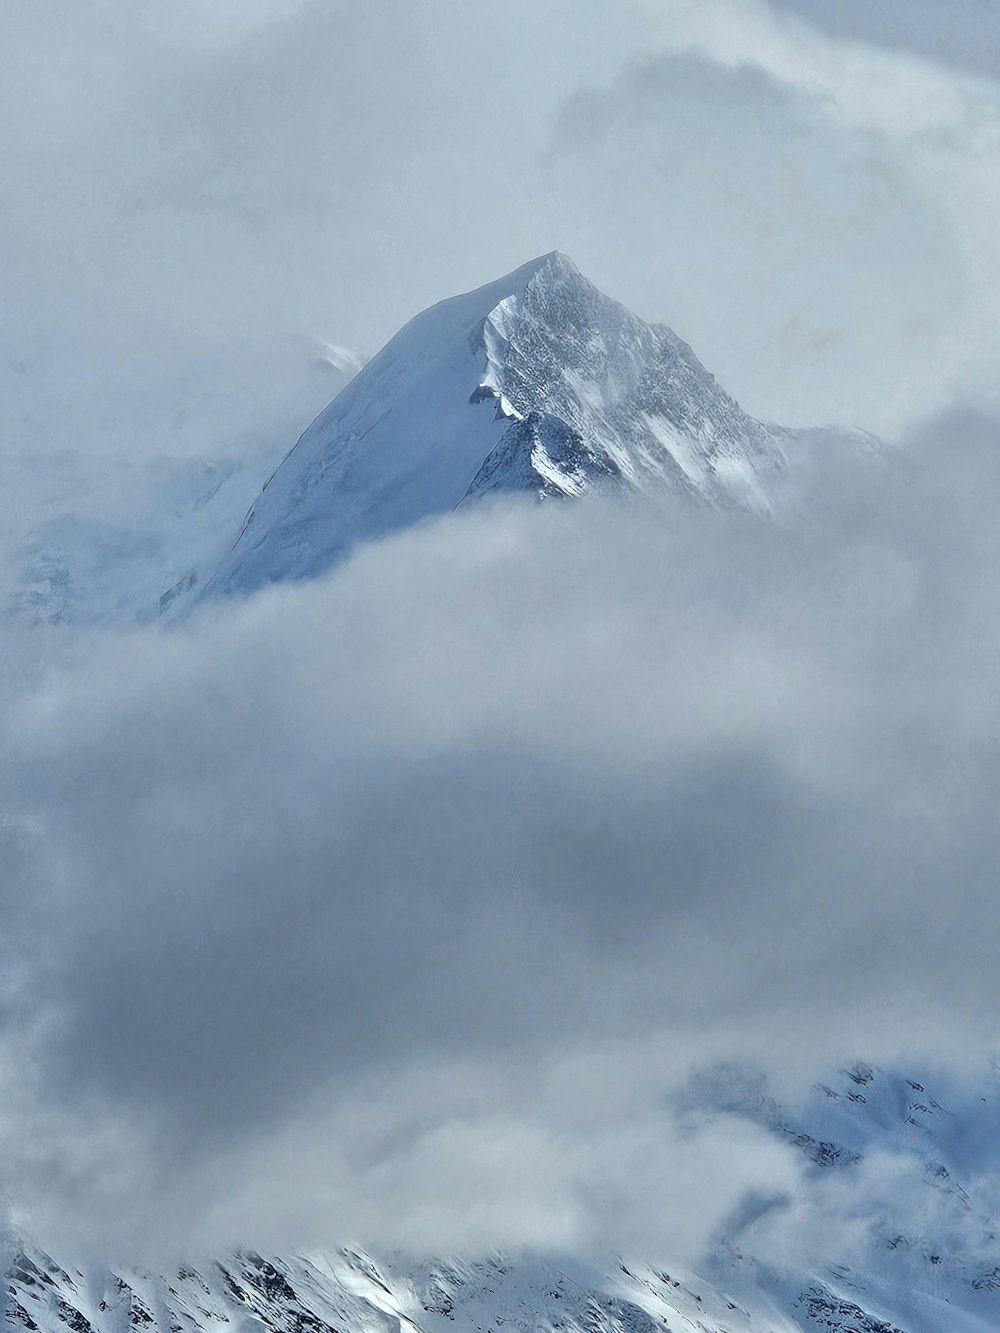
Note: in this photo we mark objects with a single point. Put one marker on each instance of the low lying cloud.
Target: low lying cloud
(398, 906)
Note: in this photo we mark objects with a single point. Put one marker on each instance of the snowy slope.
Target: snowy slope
(536, 383)
(891, 1230)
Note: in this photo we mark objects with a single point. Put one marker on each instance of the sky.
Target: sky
(403, 906)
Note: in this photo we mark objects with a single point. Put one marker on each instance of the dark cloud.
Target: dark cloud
(517, 794)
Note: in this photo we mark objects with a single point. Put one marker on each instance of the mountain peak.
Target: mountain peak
(550, 272)
(545, 271)
(535, 383)
(553, 264)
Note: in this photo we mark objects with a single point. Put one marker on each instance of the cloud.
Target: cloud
(194, 202)
(399, 906)
(968, 38)
(471, 853)
(774, 175)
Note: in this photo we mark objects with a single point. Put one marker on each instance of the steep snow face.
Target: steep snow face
(537, 383)
(891, 1229)
(639, 403)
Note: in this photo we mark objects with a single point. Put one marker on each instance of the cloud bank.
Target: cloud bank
(400, 905)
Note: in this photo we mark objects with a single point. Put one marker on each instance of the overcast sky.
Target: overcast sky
(399, 907)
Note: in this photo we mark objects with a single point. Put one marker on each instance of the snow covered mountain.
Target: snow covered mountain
(536, 383)
(892, 1229)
